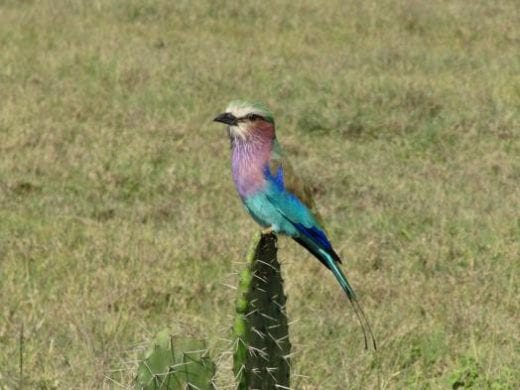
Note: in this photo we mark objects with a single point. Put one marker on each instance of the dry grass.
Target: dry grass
(118, 217)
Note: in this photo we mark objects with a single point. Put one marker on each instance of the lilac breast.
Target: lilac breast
(247, 163)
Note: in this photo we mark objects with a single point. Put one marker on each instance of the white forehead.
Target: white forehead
(240, 110)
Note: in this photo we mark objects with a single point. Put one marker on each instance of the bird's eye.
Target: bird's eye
(253, 117)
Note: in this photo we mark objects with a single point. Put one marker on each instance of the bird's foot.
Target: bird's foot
(268, 230)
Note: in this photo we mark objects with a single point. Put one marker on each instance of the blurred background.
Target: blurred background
(118, 216)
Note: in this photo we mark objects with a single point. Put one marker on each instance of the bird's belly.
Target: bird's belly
(267, 215)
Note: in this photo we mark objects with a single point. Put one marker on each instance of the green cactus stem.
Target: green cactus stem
(175, 363)
(261, 346)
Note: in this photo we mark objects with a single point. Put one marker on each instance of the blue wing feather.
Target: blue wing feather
(277, 179)
(294, 210)
(315, 234)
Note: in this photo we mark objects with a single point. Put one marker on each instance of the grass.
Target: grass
(118, 216)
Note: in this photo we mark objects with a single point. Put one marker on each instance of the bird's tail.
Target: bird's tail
(331, 260)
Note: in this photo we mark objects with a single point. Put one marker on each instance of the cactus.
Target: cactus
(174, 363)
(261, 347)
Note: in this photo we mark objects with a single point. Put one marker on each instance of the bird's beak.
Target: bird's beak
(227, 118)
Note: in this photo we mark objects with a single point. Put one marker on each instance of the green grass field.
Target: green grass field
(118, 216)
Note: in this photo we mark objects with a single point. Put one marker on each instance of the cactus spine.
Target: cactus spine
(262, 347)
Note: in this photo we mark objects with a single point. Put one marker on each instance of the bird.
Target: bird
(275, 197)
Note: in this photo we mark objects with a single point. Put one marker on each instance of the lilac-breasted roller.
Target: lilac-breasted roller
(273, 195)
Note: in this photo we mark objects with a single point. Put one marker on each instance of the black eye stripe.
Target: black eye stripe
(251, 117)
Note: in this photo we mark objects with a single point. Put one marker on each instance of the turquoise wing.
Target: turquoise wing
(292, 183)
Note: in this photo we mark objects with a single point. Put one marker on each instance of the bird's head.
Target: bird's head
(246, 118)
